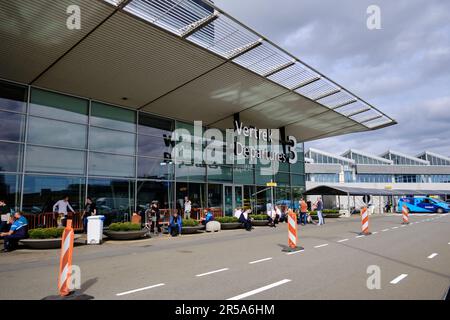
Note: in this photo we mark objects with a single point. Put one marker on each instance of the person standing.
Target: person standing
(61, 207)
(319, 209)
(5, 213)
(90, 209)
(187, 208)
(155, 217)
(303, 211)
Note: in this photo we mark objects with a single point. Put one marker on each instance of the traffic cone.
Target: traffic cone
(365, 222)
(292, 233)
(405, 214)
(65, 262)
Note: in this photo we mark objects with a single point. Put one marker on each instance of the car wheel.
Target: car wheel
(440, 210)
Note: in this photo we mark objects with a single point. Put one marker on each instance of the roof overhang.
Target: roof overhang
(178, 59)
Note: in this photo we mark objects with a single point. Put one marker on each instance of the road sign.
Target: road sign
(271, 184)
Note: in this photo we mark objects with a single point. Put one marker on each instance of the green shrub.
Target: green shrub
(124, 226)
(227, 219)
(190, 223)
(259, 216)
(46, 233)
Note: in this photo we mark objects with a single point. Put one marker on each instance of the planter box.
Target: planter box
(44, 243)
(260, 223)
(125, 235)
(191, 230)
(230, 225)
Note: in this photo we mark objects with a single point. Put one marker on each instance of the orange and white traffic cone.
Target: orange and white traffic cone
(405, 214)
(65, 262)
(292, 232)
(365, 222)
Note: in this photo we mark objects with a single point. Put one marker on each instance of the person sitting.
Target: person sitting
(175, 225)
(243, 217)
(18, 231)
(208, 217)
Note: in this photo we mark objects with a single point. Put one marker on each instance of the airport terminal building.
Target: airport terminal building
(92, 111)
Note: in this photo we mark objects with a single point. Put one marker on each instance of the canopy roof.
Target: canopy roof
(353, 191)
(187, 60)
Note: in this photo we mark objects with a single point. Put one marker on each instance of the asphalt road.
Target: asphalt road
(413, 262)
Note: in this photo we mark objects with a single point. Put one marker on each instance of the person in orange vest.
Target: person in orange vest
(303, 211)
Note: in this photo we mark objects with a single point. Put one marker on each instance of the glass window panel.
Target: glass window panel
(57, 133)
(215, 196)
(148, 191)
(220, 173)
(244, 175)
(12, 126)
(283, 197)
(150, 168)
(42, 159)
(106, 140)
(108, 165)
(263, 176)
(13, 97)
(40, 193)
(11, 157)
(155, 126)
(190, 172)
(114, 198)
(10, 190)
(113, 117)
(282, 178)
(297, 180)
(57, 106)
(153, 146)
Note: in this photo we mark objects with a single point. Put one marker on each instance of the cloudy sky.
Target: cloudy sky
(403, 69)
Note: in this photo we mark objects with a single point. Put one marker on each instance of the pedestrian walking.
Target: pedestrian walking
(60, 208)
(319, 208)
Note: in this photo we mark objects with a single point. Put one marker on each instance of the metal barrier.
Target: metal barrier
(49, 220)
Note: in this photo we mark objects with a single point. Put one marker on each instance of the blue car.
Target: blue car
(423, 205)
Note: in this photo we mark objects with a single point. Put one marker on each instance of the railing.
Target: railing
(50, 220)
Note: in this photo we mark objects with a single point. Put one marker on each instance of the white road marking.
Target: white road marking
(294, 252)
(431, 256)
(211, 272)
(261, 260)
(253, 292)
(343, 240)
(360, 236)
(402, 226)
(140, 289)
(375, 232)
(399, 278)
(322, 245)
(394, 227)
(384, 230)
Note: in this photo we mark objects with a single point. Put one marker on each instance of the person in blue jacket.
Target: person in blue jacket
(175, 225)
(18, 231)
(208, 217)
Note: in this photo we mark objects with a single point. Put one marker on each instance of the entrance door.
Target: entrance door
(232, 197)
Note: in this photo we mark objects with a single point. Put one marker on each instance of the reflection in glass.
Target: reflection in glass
(215, 196)
(11, 126)
(101, 164)
(43, 159)
(10, 157)
(151, 125)
(57, 106)
(40, 193)
(114, 198)
(159, 169)
(190, 172)
(10, 190)
(57, 133)
(297, 180)
(108, 116)
(147, 191)
(13, 97)
(244, 175)
(220, 173)
(106, 140)
(153, 146)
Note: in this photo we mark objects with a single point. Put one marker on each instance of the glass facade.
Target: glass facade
(54, 145)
